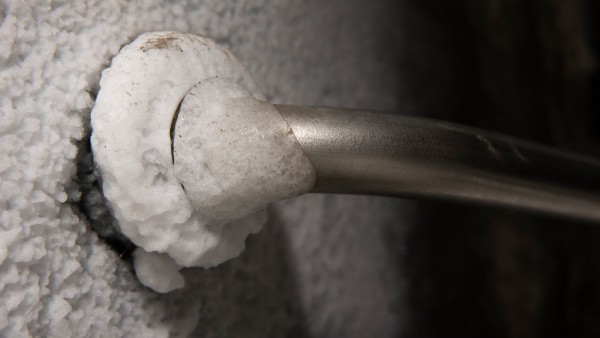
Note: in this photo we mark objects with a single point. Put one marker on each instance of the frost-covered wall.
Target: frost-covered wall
(320, 267)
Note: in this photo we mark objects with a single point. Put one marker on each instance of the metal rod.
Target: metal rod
(366, 152)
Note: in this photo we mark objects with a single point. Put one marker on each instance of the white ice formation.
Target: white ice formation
(234, 154)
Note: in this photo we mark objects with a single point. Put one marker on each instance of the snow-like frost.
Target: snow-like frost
(51, 57)
(56, 278)
(237, 155)
(157, 270)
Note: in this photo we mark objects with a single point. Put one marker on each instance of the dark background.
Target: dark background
(527, 68)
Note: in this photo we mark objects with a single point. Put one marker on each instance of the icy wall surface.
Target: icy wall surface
(318, 269)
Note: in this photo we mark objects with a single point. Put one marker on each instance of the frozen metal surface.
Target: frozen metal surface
(366, 152)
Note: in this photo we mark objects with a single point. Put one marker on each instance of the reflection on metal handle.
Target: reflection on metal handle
(365, 152)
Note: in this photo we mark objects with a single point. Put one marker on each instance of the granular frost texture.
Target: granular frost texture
(204, 221)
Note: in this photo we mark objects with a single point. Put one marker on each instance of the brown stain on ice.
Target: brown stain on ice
(163, 42)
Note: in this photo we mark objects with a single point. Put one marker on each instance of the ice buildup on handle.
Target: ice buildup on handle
(233, 153)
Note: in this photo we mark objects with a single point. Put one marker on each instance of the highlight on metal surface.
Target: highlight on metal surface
(367, 152)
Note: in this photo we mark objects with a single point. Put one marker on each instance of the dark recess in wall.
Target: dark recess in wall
(90, 203)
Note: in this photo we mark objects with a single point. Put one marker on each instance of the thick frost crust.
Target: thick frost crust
(131, 141)
(234, 154)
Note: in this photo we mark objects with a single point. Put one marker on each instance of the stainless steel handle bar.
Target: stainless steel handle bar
(367, 152)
